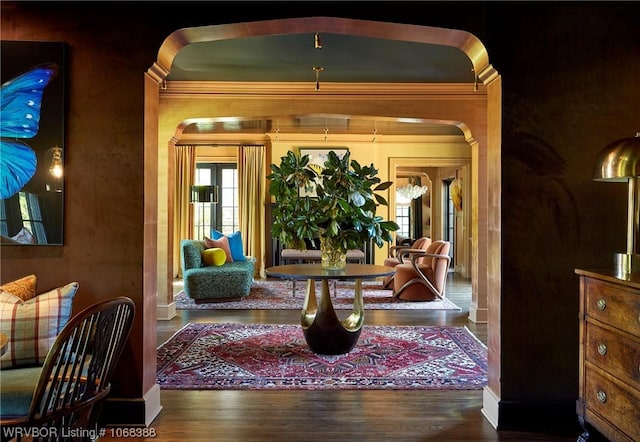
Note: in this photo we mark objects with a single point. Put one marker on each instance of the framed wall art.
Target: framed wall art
(317, 157)
(32, 147)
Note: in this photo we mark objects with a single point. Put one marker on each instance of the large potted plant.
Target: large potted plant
(335, 204)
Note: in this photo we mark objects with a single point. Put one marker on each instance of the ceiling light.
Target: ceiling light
(410, 191)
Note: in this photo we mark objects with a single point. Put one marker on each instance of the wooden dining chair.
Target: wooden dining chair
(76, 375)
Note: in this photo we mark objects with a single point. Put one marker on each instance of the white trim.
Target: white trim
(166, 312)
(490, 407)
(478, 315)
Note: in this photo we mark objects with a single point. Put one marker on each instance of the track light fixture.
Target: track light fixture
(317, 70)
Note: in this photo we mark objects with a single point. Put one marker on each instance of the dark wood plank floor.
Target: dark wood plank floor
(332, 415)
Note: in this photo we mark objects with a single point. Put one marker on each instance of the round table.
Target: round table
(324, 332)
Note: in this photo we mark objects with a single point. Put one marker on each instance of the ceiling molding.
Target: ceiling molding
(237, 88)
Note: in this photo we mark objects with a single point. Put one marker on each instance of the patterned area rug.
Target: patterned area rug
(276, 357)
(278, 295)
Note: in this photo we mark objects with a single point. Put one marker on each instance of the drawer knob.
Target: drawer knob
(602, 304)
(602, 396)
(602, 349)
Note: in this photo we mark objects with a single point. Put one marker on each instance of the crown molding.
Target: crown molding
(217, 88)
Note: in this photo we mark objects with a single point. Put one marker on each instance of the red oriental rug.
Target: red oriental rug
(276, 357)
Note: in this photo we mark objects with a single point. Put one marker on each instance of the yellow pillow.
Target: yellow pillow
(24, 288)
(221, 243)
(214, 256)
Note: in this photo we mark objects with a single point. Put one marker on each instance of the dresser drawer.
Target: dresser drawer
(609, 304)
(614, 353)
(614, 403)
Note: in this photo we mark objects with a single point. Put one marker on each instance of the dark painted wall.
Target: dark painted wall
(570, 86)
(570, 81)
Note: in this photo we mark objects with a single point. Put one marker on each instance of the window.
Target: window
(4, 229)
(22, 212)
(228, 204)
(449, 216)
(403, 219)
(222, 216)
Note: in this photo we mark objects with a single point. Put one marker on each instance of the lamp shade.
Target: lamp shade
(619, 160)
(204, 194)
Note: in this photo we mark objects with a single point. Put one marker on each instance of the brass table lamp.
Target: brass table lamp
(619, 161)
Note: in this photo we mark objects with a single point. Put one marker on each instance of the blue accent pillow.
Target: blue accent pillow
(235, 244)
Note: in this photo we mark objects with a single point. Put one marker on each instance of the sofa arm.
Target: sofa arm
(191, 253)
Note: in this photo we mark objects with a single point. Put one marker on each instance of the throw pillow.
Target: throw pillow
(235, 244)
(221, 243)
(32, 326)
(214, 256)
(24, 288)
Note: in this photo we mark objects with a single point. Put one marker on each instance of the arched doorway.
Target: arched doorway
(476, 112)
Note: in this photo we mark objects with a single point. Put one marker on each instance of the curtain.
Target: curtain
(416, 213)
(185, 168)
(251, 197)
(416, 217)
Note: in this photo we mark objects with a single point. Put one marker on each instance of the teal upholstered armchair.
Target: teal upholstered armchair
(202, 282)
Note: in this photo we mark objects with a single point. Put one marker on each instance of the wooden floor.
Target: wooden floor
(352, 416)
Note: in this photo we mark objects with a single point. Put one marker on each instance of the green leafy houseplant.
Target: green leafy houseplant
(343, 212)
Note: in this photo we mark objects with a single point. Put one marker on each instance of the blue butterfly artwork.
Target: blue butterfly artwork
(20, 103)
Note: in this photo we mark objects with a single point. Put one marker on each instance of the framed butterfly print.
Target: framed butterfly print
(32, 143)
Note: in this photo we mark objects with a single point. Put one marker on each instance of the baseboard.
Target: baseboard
(490, 407)
(166, 312)
(137, 412)
(478, 315)
(556, 417)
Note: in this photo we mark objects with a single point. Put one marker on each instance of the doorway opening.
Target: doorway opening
(474, 108)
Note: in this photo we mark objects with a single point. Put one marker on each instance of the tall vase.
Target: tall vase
(333, 255)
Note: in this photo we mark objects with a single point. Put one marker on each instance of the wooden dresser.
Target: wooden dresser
(609, 390)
